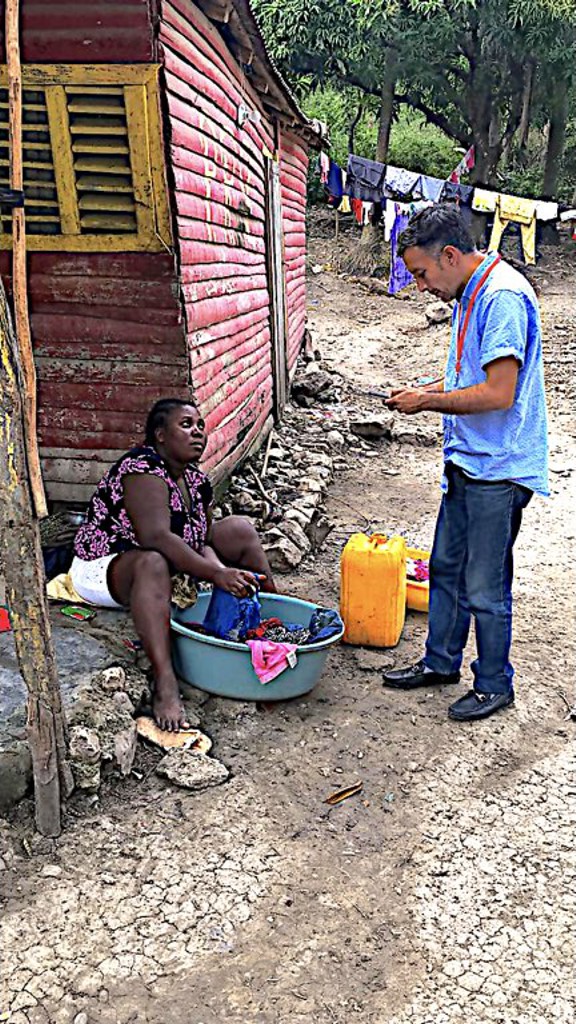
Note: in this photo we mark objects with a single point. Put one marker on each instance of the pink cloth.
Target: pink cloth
(466, 164)
(269, 659)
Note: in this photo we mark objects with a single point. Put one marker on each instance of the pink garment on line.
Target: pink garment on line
(269, 659)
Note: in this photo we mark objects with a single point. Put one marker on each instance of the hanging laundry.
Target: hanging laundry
(345, 205)
(269, 659)
(335, 183)
(484, 201)
(456, 193)
(324, 167)
(356, 205)
(466, 164)
(365, 178)
(389, 218)
(430, 188)
(515, 210)
(546, 210)
(400, 276)
(400, 183)
(366, 211)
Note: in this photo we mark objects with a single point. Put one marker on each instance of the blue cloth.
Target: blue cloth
(507, 444)
(229, 617)
(400, 276)
(324, 623)
(335, 183)
(471, 576)
(430, 188)
(365, 179)
(401, 183)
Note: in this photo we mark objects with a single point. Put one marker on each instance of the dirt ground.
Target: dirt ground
(444, 892)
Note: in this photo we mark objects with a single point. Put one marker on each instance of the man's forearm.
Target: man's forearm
(476, 399)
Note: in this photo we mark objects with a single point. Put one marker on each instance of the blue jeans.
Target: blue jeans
(471, 572)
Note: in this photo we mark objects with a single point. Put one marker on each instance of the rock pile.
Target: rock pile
(281, 489)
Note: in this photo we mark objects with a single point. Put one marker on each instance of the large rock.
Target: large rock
(310, 385)
(191, 770)
(283, 554)
(373, 428)
(15, 774)
(295, 533)
(438, 312)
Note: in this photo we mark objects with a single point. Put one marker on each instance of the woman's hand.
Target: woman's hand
(236, 581)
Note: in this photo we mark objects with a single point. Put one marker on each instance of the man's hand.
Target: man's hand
(407, 400)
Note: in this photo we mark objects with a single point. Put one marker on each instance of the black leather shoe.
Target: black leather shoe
(416, 675)
(479, 705)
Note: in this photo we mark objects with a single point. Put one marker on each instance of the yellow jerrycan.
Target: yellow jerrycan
(373, 589)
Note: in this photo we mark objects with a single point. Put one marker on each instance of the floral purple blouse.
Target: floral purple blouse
(108, 529)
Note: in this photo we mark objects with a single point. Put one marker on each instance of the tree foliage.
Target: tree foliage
(481, 71)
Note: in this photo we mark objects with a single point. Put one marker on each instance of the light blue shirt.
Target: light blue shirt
(508, 444)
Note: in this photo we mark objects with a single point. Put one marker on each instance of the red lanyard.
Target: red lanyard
(462, 330)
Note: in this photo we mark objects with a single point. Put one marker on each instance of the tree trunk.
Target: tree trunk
(21, 558)
(369, 253)
(387, 103)
(524, 128)
(556, 138)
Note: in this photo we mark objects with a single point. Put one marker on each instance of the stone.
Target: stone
(438, 312)
(312, 383)
(283, 555)
(192, 770)
(373, 660)
(318, 531)
(373, 428)
(51, 871)
(81, 1018)
(335, 439)
(411, 433)
(111, 679)
(296, 534)
(15, 774)
(85, 754)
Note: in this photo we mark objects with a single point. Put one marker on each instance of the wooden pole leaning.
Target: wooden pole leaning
(19, 273)
(21, 559)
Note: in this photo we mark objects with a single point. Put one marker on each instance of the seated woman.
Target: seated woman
(151, 518)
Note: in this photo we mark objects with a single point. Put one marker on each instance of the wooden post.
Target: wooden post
(21, 559)
(19, 276)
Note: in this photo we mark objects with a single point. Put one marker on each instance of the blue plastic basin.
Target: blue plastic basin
(225, 668)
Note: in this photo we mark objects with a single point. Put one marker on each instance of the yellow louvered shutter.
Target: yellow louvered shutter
(99, 183)
(42, 206)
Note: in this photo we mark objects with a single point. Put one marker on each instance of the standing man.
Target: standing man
(495, 454)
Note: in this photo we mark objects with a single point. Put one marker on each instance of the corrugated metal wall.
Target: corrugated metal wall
(83, 32)
(219, 199)
(108, 342)
(293, 174)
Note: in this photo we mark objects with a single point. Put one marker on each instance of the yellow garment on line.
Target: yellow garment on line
(345, 205)
(515, 210)
(484, 201)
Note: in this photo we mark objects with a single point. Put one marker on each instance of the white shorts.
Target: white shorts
(90, 580)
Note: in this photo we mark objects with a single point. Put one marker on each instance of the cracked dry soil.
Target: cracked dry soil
(443, 893)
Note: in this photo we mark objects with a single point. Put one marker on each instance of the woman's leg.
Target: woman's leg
(141, 580)
(236, 542)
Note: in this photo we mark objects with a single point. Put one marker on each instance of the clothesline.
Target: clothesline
(376, 192)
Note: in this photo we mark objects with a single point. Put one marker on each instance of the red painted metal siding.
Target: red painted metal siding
(84, 31)
(219, 200)
(293, 173)
(108, 342)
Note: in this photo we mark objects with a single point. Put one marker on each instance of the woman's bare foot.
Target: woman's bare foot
(167, 705)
